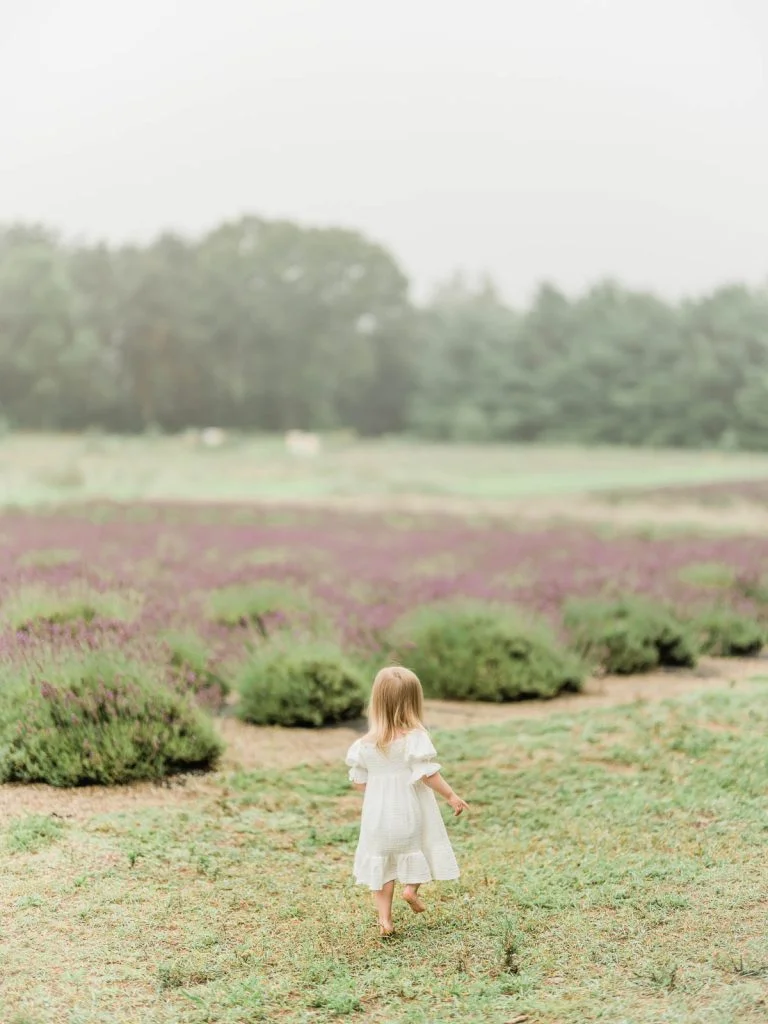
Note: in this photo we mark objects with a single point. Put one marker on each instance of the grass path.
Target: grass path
(614, 870)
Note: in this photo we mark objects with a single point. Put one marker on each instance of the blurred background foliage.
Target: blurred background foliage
(269, 326)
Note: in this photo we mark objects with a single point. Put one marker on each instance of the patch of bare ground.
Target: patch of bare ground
(258, 747)
(738, 516)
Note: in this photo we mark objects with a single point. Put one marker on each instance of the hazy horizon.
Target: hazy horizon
(568, 140)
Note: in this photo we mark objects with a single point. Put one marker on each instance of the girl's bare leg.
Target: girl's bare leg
(383, 900)
(412, 898)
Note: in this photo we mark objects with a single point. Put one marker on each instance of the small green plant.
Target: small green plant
(630, 634)
(48, 558)
(268, 606)
(97, 718)
(307, 685)
(35, 605)
(264, 556)
(191, 662)
(714, 575)
(32, 833)
(185, 972)
(727, 633)
(485, 652)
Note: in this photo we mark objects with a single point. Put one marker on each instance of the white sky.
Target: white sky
(557, 139)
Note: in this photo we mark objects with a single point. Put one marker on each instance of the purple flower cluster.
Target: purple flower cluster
(364, 571)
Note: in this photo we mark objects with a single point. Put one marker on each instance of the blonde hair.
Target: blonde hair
(396, 705)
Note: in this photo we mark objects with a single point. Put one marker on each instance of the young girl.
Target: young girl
(402, 835)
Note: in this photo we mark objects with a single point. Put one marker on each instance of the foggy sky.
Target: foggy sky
(535, 139)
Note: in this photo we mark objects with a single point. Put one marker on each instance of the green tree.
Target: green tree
(465, 341)
(726, 339)
(269, 325)
(44, 350)
(306, 325)
(160, 347)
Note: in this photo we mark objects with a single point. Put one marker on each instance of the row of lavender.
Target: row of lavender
(102, 608)
(364, 571)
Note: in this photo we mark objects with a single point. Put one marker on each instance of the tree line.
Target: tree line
(267, 326)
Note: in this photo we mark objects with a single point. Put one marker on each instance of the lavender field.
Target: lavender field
(140, 571)
(192, 899)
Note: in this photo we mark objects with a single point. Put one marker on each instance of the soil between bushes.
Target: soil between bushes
(251, 747)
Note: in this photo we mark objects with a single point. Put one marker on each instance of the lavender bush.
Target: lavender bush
(729, 634)
(34, 606)
(193, 666)
(266, 605)
(630, 635)
(485, 652)
(306, 684)
(97, 718)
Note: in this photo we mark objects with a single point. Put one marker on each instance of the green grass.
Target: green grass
(252, 468)
(614, 870)
(32, 832)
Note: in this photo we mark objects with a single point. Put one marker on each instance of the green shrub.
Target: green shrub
(484, 652)
(97, 718)
(630, 635)
(727, 633)
(309, 685)
(35, 605)
(191, 662)
(268, 606)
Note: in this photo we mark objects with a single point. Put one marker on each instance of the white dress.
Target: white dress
(402, 835)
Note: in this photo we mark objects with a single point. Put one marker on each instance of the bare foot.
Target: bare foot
(413, 900)
(386, 928)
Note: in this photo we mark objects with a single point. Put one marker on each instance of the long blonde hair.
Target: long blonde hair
(396, 705)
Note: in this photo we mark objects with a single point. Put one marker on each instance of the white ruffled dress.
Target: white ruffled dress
(402, 835)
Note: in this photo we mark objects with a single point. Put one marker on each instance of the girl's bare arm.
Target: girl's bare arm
(359, 786)
(440, 786)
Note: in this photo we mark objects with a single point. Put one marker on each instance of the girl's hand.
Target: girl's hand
(457, 804)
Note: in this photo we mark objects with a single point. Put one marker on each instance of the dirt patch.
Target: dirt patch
(256, 747)
(80, 804)
(738, 516)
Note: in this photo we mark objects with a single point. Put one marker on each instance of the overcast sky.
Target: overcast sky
(557, 139)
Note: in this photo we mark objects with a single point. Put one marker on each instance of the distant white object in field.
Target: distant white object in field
(298, 442)
(213, 437)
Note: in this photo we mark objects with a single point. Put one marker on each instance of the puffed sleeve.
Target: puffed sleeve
(354, 761)
(420, 756)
